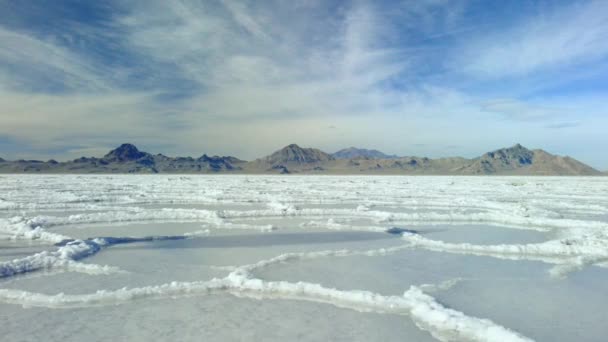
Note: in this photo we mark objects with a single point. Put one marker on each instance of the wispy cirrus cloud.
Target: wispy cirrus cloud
(25, 58)
(567, 36)
(245, 77)
(560, 125)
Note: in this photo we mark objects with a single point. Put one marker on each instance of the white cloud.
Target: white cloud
(560, 125)
(250, 77)
(567, 36)
(24, 57)
(519, 110)
(240, 14)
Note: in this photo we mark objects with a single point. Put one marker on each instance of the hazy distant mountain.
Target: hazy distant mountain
(127, 159)
(520, 160)
(125, 153)
(353, 153)
(501, 160)
(515, 160)
(296, 154)
(289, 159)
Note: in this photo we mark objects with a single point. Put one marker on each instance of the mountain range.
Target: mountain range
(293, 159)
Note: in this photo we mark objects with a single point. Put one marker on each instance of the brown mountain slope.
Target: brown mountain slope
(518, 160)
(298, 155)
(289, 159)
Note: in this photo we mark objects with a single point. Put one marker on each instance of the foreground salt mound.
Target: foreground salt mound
(19, 228)
(63, 258)
(568, 254)
(443, 323)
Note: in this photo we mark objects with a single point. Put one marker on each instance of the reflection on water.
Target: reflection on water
(272, 239)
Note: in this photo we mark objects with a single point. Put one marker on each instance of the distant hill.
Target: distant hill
(515, 160)
(520, 160)
(126, 153)
(296, 154)
(353, 153)
(289, 159)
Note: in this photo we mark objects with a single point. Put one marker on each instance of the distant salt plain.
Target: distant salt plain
(312, 258)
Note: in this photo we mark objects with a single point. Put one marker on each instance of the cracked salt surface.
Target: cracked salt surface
(313, 258)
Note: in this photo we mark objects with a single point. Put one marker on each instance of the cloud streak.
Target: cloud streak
(563, 37)
(244, 78)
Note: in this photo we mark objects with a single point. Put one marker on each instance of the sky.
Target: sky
(245, 78)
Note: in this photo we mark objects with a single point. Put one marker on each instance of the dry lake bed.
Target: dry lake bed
(312, 258)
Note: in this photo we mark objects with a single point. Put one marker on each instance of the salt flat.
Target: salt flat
(303, 258)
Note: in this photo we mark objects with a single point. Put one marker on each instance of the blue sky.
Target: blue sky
(427, 77)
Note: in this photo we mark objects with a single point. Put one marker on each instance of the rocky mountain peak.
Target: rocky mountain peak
(296, 154)
(125, 152)
(516, 154)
